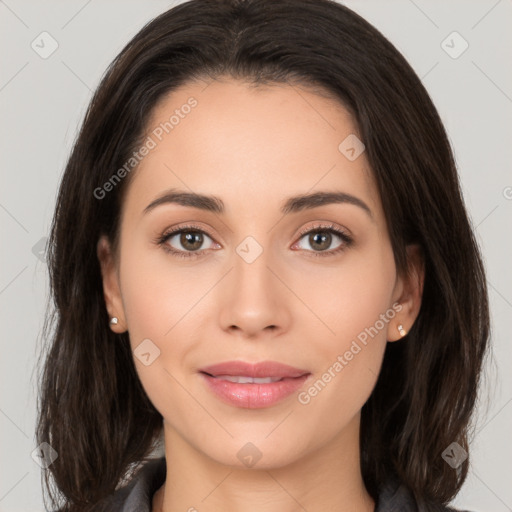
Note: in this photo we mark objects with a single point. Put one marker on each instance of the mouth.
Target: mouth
(253, 386)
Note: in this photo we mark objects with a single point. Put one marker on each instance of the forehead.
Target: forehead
(251, 146)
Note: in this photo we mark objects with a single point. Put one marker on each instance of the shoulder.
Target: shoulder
(396, 497)
(137, 494)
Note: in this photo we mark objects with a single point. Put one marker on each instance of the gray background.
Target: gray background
(42, 103)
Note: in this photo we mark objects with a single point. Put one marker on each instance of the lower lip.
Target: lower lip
(253, 396)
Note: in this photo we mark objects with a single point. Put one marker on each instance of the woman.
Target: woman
(260, 253)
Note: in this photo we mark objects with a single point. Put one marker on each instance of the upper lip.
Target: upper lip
(261, 369)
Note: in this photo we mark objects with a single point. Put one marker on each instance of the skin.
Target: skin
(254, 148)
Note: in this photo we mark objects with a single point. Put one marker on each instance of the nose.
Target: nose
(254, 301)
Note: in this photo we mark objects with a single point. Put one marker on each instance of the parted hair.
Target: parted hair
(92, 408)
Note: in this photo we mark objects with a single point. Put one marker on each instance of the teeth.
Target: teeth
(248, 380)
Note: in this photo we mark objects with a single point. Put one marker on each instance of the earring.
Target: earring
(401, 330)
(114, 320)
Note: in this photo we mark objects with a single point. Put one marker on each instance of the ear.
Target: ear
(409, 292)
(110, 279)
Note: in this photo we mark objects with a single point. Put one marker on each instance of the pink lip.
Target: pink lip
(252, 395)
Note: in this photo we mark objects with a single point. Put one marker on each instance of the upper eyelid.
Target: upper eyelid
(324, 226)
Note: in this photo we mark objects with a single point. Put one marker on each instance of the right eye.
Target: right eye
(190, 238)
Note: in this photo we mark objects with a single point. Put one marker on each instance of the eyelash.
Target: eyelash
(162, 240)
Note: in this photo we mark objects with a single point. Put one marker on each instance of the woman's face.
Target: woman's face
(245, 283)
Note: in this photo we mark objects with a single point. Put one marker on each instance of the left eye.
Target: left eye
(321, 239)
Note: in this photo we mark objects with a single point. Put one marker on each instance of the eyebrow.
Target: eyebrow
(291, 205)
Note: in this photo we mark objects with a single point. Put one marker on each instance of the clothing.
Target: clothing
(137, 495)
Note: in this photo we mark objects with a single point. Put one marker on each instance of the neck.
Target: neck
(326, 478)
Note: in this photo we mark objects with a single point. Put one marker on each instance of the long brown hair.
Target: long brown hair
(93, 410)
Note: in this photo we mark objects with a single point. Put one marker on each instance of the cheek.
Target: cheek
(156, 314)
(155, 294)
(349, 298)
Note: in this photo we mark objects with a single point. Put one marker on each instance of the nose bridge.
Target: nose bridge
(251, 273)
(254, 300)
